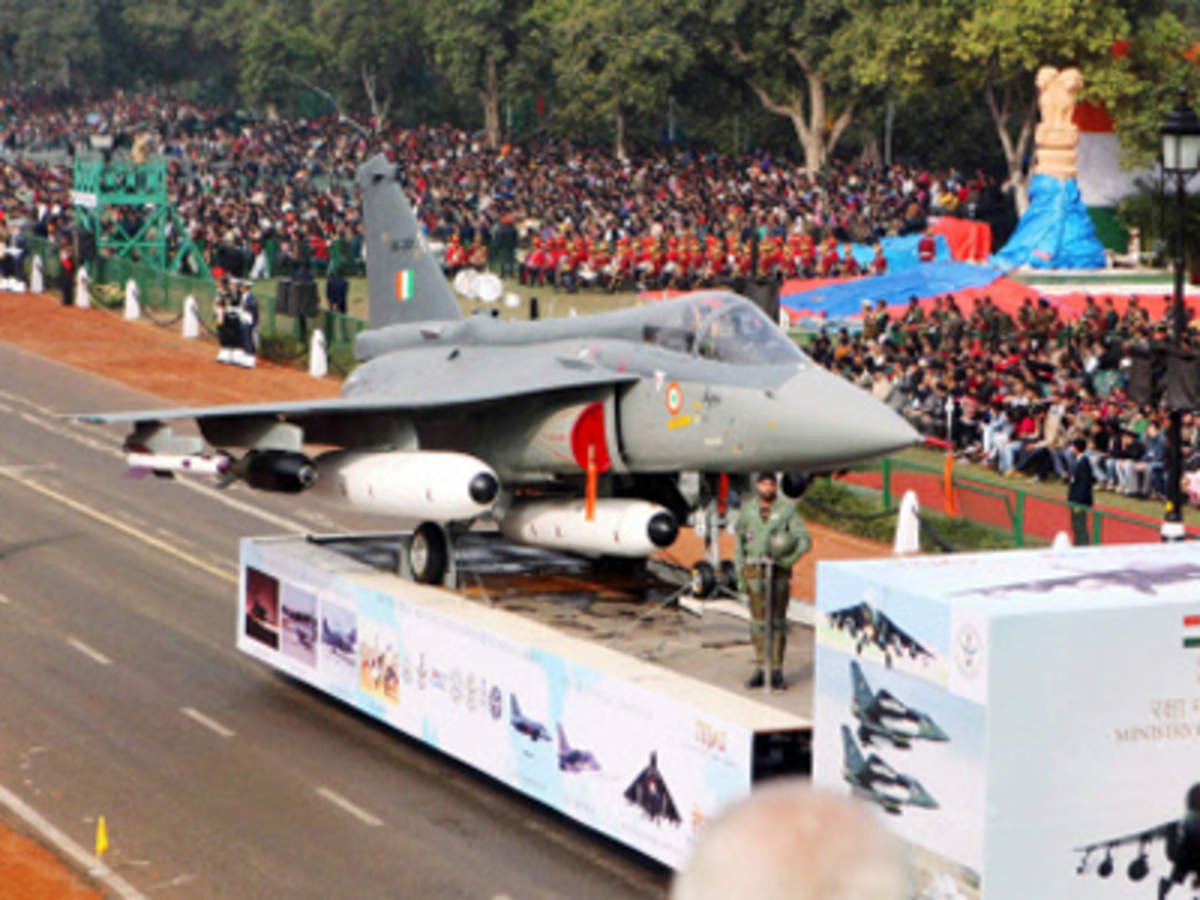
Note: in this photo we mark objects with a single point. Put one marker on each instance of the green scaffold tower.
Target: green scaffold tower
(102, 187)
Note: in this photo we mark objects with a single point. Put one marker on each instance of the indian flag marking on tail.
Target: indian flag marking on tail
(404, 285)
(1191, 632)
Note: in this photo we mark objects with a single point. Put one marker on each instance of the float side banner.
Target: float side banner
(900, 720)
(644, 769)
(1095, 755)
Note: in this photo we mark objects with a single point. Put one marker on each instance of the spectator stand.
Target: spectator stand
(134, 196)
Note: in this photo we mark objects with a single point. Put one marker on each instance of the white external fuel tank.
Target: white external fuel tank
(414, 484)
(618, 528)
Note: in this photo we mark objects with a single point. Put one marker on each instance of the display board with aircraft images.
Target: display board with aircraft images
(640, 767)
(1029, 723)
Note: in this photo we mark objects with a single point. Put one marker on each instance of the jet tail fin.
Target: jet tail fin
(853, 757)
(514, 706)
(404, 280)
(563, 746)
(862, 691)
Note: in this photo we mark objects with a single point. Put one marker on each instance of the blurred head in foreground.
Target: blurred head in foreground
(787, 840)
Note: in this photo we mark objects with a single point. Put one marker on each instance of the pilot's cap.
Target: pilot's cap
(765, 476)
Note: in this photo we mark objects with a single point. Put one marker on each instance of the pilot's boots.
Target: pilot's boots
(756, 680)
(778, 682)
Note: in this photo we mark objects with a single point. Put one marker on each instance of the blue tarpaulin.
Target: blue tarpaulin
(845, 298)
(900, 252)
(1055, 232)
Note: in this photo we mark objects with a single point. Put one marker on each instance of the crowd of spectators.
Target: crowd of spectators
(270, 197)
(1014, 393)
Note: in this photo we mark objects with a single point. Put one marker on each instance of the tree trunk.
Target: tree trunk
(871, 154)
(619, 147)
(810, 123)
(1020, 183)
(1014, 150)
(490, 96)
(813, 145)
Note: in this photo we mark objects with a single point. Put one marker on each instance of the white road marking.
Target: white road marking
(339, 801)
(90, 652)
(68, 847)
(211, 724)
(4, 601)
(69, 432)
(22, 470)
(158, 544)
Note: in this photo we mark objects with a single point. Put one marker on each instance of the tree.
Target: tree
(789, 54)
(1141, 85)
(475, 43)
(1001, 47)
(614, 61)
(168, 40)
(993, 48)
(55, 43)
(371, 49)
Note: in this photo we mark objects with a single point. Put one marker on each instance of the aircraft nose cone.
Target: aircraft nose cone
(662, 529)
(842, 423)
(483, 488)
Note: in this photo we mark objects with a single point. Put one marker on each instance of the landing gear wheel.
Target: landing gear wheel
(427, 554)
(704, 579)
(728, 579)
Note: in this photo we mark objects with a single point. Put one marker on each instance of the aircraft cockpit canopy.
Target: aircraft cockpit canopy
(722, 327)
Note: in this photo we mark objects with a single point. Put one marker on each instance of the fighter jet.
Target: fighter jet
(882, 715)
(875, 780)
(649, 791)
(572, 760)
(448, 418)
(873, 628)
(1181, 839)
(532, 729)
(338, 641)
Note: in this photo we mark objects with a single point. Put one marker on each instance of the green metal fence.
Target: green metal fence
(165, 293)
(1026, 517)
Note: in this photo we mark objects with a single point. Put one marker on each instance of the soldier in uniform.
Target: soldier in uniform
(768, 526)
(870, 331)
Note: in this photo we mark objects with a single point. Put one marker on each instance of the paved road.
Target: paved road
(121, 694)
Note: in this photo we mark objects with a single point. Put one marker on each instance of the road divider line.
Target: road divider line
(91, 652)
(113, 450)
(68, 847)
(4, 601)
(211, 724)
(171, 549)
(342, 803)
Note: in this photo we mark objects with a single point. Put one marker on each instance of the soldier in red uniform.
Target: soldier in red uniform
(927, 247)
(828, 263)
(455, 256)
(621, 268)
(808, 255)
(879, 265)
(768, 258)
(596, 261)
(531, 269)
(849, 263)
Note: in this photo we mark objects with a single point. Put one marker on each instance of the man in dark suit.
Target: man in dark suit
(1079, 492)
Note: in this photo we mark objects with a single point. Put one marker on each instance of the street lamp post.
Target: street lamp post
(1181, 158)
